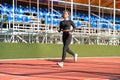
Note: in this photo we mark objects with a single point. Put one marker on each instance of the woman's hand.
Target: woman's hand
(70, 33)
(58, 29)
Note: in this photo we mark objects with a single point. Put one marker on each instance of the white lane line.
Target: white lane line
(57, 58)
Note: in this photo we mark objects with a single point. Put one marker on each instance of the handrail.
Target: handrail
(102, 18)
(56, 11)
(5, 8)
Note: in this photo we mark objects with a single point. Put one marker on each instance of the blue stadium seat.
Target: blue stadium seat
(45, 11)
(58, 22)
(40, 13)
(48, 21)
(41, 16)
(10, 17)
(59, 16)
(79, 23)
(33, 10)
(3, 11)
(5, 5)
(75, 22)
(20, 10)
(55, 22)
(26, 9)
(26, 19)
(19, 18)
(110, 27)
(82, 16)
(118, 27)
(40, 10)
(94, 25)
(11, 9)
(77, 16)
(86, 19)
(104, 26)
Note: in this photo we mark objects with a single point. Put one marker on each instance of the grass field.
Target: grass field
(22, 50)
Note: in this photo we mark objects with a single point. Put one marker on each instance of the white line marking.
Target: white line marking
(55, 58)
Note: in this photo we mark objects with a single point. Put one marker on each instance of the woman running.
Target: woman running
(67, 27)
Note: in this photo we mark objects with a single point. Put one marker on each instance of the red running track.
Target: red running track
(84, 69)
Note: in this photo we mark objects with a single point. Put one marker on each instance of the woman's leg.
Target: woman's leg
(64, 38)
(66, 42)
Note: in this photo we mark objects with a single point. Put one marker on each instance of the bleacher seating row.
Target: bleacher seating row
(25, 14)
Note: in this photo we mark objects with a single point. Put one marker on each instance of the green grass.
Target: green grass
(21, 50)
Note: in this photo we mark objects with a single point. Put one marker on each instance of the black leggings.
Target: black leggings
(66, 41)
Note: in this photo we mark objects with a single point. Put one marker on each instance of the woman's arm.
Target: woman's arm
(73, 25)
(60, 27)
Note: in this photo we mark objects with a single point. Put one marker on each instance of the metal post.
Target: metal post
(37, 40)
(30, 5)
(52, 15)
(48, 6)
(16, 5)
(89, 12)
(99, 21)
(75, 10)
(65, 6)
(99, 14)
(114, 16)
(13, 21)
(71, 9)
(38, 12)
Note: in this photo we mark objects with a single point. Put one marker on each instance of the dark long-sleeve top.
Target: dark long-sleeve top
(67, 25)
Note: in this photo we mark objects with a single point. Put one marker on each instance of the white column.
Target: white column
(99, 13)
(16, 5)
(52, 15)
(13, 36)
(38, 13)
(89, 12)
(48, 6)
(37, 39)
(71, 9)
(98, 25)
(114, 15)
(30, 5)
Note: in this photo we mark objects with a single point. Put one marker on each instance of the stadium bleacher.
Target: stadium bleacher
(29, 21)
(21, 17)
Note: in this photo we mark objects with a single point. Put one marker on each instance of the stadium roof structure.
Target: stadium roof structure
(106, 6)
(103, 3)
